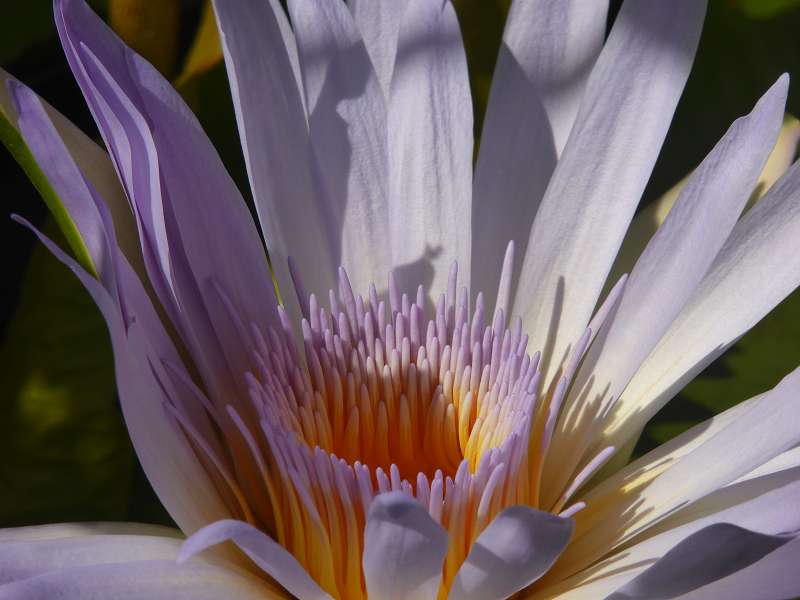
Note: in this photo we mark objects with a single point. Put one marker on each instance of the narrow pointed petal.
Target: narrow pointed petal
(379, 23)
(403, 549)
(140, 580)
(347, 126)
(262, 550)
(517, 548)
(548, 50)
(276, 143)
(669, 270)
(753, 272)
(624, 116)
(703, 557)
(430, 149)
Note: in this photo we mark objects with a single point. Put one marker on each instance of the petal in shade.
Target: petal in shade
(666, 274)
(626, 110)
(347, 127)
(262, 550)
(430, 149)
(705, 556)
(774, 577)
(517, 548)
(34, 533)
(547, 53)
(379, 22)
(403, 549)
(275, 144)
(140, 580)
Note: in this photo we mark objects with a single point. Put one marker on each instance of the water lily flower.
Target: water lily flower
(435, 404)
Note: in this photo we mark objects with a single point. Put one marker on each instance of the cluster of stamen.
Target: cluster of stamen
(383, 398)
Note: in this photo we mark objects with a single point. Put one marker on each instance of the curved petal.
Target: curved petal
(379, 23)
(262, 550)
(549, 48)
(430, 149)
(347, 127)
(139, 580)
(753, 272)
(404, 549)
(275, 143)
(626, 110)
(703, 557)
(668, 271)
(517, 548)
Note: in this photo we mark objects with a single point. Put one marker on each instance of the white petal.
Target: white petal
(691, 467)
(403, 550)
(276, 144)
(668, 271)
(516, 549)
(753, 272)
(430, 149)
(625, 113)
(548, 50)
(379, 22)
(347, 123)
(262, 550)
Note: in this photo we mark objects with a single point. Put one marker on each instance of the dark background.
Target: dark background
(65, 453)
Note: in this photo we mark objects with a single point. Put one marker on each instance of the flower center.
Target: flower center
(383, 396)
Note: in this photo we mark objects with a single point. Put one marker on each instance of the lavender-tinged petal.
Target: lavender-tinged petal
(669, 270)
(195, 208)
(347, 126)
(379, 23)
(140, 580)
(404, 549)
(626, 110)
(430, 149)
(276, 144)
(262, 550)
(172, 468)
(703, 557)
(33, 533)
(517, 548)
(547, 53)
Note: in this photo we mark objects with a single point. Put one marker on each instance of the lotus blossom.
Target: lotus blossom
(440, 399)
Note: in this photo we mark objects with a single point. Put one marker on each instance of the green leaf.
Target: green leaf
(66, 452)
(766, 9)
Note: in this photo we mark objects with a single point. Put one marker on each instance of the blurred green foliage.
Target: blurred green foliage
(66, 455)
